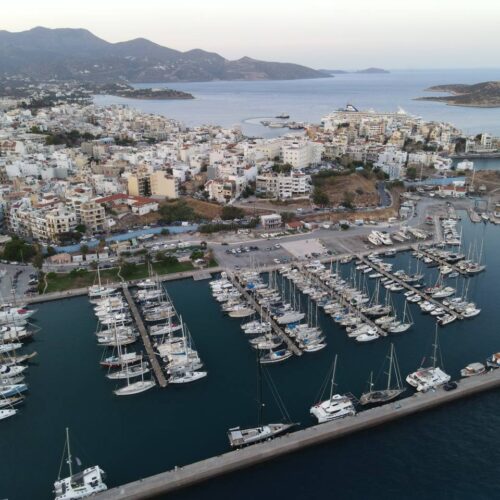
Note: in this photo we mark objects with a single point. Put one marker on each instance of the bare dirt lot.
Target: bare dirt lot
(204, 208)
(364, 191)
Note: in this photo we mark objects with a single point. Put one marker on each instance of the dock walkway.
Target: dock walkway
(160, 376)
(439, 260)
(181, 477)
(408, 286)
(276, 328)
(343, 301)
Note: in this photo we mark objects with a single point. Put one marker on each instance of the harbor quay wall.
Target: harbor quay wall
(75, 292)
(47, 297)
(181, 477)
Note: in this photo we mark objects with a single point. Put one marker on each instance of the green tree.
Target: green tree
(411, 173)
(84, 249)
(18, 250)
(197, 254)
(229, 212)
(177, 211)
(80, 228)
(320, 198)
(348, 200)
(51, 251)
(287, 216)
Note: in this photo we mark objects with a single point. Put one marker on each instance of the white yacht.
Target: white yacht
(336, 406)
(431, 377)
(473, 369)
(86, 483)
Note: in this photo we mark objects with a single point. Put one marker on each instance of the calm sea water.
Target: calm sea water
(449, 453)
(245, 103)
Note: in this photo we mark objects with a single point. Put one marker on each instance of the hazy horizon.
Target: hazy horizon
(451, 34)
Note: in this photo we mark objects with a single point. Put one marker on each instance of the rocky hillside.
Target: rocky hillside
(481, 95)
(77, 54)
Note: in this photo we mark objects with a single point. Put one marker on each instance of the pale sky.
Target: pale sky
(318, 33)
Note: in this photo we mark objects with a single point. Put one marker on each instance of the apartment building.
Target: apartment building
(139, 184)
(302, 154)
(284, 186)
(222, 190)
(164, 185)
(93, 216)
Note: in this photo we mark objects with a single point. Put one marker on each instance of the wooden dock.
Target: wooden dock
(182, 477)
(276, 328)
(409, 286)
(160, 376)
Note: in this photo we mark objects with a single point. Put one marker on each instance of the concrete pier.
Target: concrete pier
(344, 302)
(182, 477)
(439, 260)
(196, 274)
(409, 287)
(160, 376)
(276, 328)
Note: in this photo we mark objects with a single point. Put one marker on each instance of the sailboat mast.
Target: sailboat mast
(434, 354)
(333, 376)
(390, 366)
(259, 389)
(69, 453)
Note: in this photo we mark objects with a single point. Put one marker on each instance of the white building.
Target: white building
(284, 186)
(271, 221)
(302, 154)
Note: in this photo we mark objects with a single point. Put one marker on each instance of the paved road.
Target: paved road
(385, 199)
(6, 283)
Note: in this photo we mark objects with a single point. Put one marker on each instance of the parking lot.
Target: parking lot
(15, 280)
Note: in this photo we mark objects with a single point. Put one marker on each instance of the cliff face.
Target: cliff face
(77, 54)
(481, 95)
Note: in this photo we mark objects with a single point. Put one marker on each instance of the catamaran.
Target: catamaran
(431, 377)
(336, 406)
(83, 484)
(394, 385)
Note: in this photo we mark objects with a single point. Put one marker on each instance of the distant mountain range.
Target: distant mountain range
(478, 95)
(367, 71)
(77, 54)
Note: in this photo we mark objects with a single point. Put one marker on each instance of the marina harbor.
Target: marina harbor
(398, 310)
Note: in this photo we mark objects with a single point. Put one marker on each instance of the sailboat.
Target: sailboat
(429, 378)
(336, 406)
(7, 413)
(80, 485)
(239, 437)
(390, 392)
(98, 291)
(134, 387)
(406, 324)
(129, 370)
(183, 359)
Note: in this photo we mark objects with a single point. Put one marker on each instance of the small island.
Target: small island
(123, 90)
(479, 95)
